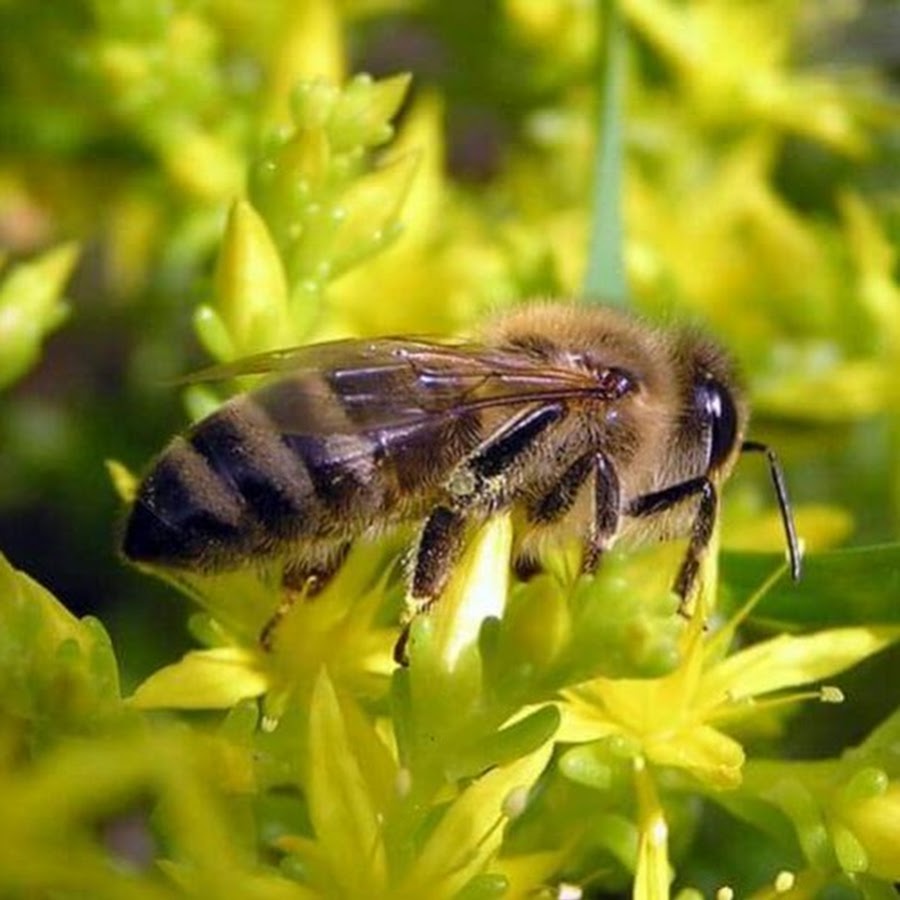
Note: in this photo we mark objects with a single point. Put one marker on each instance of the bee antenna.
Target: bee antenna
(784, 504)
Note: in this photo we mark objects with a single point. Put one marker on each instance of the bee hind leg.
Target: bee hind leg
(477, 488)
(440, 544)
(438, 549)
(303, 578)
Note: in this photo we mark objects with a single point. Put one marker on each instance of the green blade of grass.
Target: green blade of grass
(605, 278)
(857, 586)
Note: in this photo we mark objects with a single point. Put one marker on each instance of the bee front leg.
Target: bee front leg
(557, 503)
(701, 529)
(701, 535)
(607, 511)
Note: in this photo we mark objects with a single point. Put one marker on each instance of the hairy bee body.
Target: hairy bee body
(582, 421)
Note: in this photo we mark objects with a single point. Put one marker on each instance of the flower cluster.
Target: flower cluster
(554, 738)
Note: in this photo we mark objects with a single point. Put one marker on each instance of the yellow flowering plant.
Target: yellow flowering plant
(564, 737)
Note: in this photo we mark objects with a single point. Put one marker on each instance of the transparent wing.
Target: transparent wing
(345, 386)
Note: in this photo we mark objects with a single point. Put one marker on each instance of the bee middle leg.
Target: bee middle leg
(559, 501)
(701, 529)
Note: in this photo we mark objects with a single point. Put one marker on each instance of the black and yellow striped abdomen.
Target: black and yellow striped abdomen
(283, 465)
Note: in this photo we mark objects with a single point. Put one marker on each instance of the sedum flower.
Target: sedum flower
(339, 629)
(733, 62)
(682, 719)
(687, 720)
(370, 838)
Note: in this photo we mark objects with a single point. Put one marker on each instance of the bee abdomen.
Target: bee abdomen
(251, 461)
(341, 469)
(183, 515)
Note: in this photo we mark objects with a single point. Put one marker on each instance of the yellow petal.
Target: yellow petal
(652, 874)
(203, 679)
(582, 720)
(344, 812)
(471, 831)
(710, 755)
(476, 591)
(124, 481)
(787, 661)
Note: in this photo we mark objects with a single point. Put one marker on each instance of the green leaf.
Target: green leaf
(362, 113)
(842, 587)
(56, 671)
(30, 308)
(507, 744)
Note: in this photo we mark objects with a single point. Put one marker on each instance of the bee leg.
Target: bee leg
(311, 576)
(438, 549)
(607, 506)
(554, 505)
(476, 486)
(526, 567)
(701, 529)
(302, 579)
(701, 534)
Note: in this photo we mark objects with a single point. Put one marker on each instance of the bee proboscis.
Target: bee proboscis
(582, 421)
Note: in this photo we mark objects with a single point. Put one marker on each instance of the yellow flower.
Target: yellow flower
(339, 630)
(681, 719)
(733, 60)
(366, 811)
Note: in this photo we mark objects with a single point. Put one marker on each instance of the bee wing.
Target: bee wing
(352, 385)
(437, 363)
(291, 359)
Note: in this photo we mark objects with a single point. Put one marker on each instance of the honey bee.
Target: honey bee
(581, 421)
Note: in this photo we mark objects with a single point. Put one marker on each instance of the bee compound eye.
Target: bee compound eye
(717, 411)
(615, 383)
